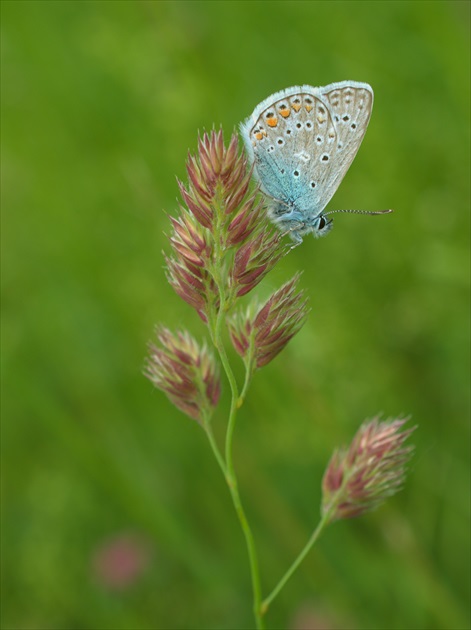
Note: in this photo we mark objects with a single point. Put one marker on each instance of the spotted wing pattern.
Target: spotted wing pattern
(303, 140)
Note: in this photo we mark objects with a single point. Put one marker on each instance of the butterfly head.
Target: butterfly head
(320, 226)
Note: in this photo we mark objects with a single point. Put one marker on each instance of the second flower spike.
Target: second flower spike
(259, 337)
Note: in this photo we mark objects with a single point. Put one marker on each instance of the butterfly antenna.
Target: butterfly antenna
(359, 212)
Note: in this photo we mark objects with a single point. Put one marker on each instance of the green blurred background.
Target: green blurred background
(115, 514)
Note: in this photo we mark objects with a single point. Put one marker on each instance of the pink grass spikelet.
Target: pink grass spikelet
(220, 239)
(255, 259)
(373, 468)
(185, 371)
(275, 323)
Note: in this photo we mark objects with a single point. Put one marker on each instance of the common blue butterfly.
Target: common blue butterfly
(302, 141)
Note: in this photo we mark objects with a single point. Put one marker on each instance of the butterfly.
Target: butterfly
(301, 142)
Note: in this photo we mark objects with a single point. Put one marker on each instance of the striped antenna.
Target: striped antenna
(359, 212)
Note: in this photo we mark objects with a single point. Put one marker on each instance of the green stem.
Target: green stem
(232, 383)
(214, 446)
(314, 536)
(249, 363)
(215, 326)
(230, 471)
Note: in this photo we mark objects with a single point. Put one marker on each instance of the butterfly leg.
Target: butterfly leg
(297, 238)
(295, 232)
(291, 223)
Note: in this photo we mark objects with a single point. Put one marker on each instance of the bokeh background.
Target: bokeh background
(115, 514)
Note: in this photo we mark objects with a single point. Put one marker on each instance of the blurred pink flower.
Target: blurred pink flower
(309, 616)
(120, 561)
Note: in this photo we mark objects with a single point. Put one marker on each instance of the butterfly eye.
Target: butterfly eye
(322, 223)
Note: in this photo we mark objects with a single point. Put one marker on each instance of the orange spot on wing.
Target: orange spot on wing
(308, 107)
(296, 106)
(272, 122)
(285, 112)
(259, 135)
